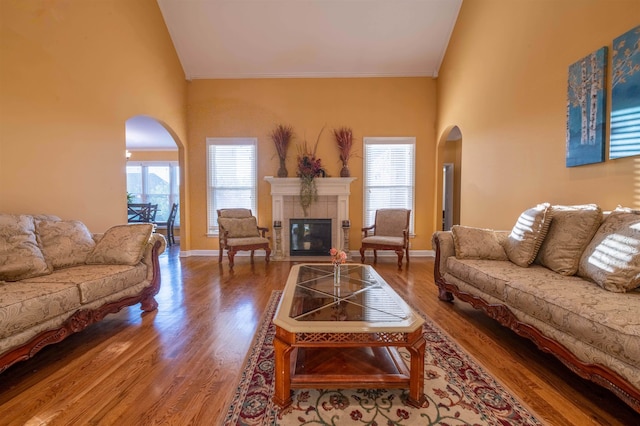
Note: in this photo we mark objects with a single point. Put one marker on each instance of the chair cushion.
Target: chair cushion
(235, 213)
(121, 245)
(391, 222)
(386, 241)
(478, 243)
(612, 258)
(20, 254)
(527, 235)
(64, 243)
(237, 242)
(239, 227)
(571, 229)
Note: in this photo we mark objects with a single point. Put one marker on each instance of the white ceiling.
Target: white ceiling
(300, 38)
(146, 134)
(310, 38)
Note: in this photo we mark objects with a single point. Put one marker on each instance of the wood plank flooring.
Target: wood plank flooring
(180, 365)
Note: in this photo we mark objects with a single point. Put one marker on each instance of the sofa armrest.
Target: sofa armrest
(442, 242)
(147, 257)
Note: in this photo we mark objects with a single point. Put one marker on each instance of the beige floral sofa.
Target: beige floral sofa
(56, 278)
(566, 277)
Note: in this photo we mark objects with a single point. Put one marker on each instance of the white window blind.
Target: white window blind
(231, 176)
(389, 175)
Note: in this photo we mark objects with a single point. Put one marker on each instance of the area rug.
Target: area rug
(458, 389)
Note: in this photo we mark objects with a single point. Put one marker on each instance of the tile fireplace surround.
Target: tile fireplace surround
(333, 203)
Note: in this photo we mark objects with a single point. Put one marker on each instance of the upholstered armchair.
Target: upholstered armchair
(238, 231)
(390, 231)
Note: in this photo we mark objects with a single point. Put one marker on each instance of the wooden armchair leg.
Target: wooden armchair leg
(400, 253)
(407, 254)
(361, 255)
(267, 252)
(375, 256)
(252, 251)
(231, 253)
(220, 254)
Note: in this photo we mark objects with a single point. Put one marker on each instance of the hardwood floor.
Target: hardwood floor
(180, 365)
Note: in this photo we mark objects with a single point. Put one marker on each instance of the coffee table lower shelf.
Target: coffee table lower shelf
(349, 368)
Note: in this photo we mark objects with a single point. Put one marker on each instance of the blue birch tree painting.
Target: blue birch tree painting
(625, 95)
(586, 110)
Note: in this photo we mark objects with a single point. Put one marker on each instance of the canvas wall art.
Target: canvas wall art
(586, 110)
(625, 95)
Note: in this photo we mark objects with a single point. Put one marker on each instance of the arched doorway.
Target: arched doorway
(449, 173)
(154, 166)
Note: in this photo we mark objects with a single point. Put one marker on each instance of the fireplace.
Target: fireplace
(309, 237)
(332, 205)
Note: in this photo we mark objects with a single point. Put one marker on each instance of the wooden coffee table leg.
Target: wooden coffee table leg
(416, 378)
(282, 349)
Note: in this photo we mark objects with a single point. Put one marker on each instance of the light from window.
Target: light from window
(156, 183)
(231, 176)
(389, 176)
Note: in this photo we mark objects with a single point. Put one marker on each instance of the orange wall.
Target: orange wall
(370, 106)
(504, 83)
(71, 73)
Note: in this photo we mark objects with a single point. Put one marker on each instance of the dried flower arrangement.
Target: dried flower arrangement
(309, 167)
(344, 138)
(281, 136)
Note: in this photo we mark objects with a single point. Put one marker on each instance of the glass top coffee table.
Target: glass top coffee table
(345, 334)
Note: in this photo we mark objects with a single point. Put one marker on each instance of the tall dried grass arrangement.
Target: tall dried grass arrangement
(281, 136)
(344, 138)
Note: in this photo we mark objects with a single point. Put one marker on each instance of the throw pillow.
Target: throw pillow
(612, 258)
(64, 243)
(240, 227)
(527, 235)
(20, 254)
(477, 243)
(121, 245)
(571, 229)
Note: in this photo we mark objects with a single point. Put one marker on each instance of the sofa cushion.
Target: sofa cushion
(478, 243)
(612, 258)
(121, 245)
(20, 254)
(64, 243)
(606, 320)
(239, 227)
(96, 281)
(527, 235)
(571, 229)
(24, 304)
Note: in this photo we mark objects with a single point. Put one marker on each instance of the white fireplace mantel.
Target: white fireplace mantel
(290, 187)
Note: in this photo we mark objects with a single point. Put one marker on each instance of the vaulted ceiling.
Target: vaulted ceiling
(310, 38)
(304, 39)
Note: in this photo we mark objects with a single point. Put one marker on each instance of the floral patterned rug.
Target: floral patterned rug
(458, 389)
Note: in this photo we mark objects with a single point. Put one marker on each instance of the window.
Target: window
(156, 183)
(389, 175)
(231, 176)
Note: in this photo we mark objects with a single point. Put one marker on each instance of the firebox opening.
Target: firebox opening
(310, 237)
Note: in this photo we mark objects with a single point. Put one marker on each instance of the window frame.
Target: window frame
(212, 215)
(399, 140)
(174, 181)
